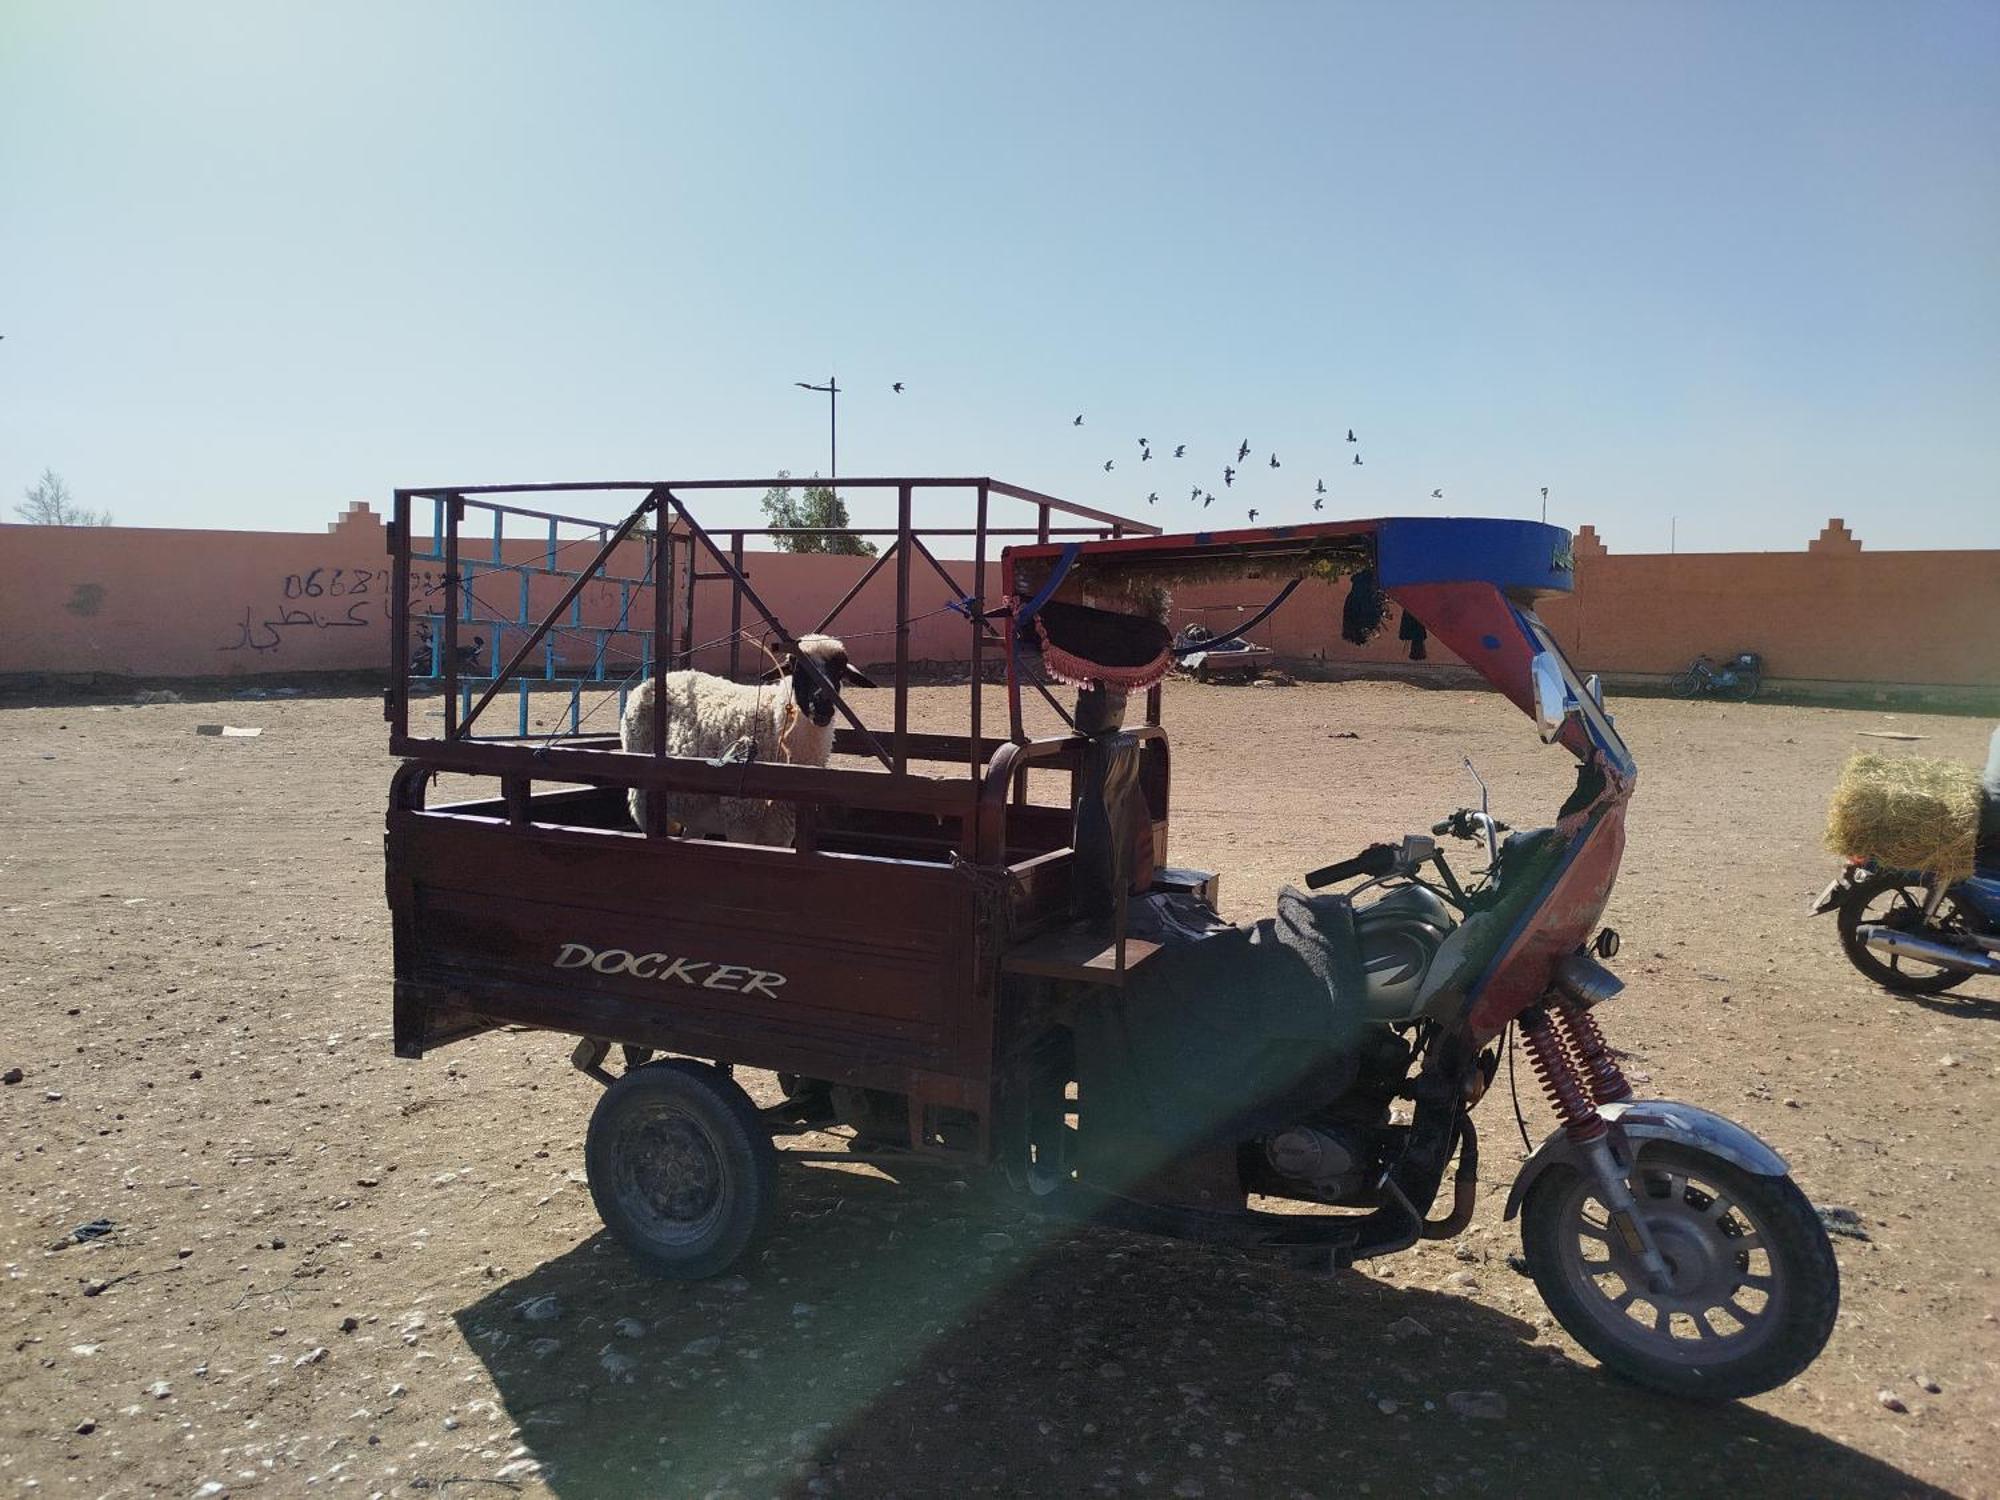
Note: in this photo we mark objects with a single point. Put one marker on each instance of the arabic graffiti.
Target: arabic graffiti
(357, 588)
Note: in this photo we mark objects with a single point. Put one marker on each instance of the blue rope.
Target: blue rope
(1056, 575)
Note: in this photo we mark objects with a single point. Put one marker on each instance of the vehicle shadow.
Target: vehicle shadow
(1955, 1004)
(922, 1341)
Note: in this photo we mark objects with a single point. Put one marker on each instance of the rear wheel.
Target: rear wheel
(1895, 899)
(681, 1168)
(1753, 1286)
(1745, 686)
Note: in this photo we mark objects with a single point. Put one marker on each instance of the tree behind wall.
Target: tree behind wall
(49, 503)
(817, 506)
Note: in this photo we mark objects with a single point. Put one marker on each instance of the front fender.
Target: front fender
(1636, 1121)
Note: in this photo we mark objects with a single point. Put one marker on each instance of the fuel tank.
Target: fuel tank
(1399, 936)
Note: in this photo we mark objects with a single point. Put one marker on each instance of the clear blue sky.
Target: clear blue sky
(1734, 263)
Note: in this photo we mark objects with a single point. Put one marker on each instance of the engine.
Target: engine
(1334, 1155)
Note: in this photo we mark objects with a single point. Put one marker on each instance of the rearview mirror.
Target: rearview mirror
(1553, 704)
(1594, 685)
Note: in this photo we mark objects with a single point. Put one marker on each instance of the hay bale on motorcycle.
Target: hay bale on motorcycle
(1908, 812)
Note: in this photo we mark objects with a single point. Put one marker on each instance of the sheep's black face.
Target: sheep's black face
(815, 697)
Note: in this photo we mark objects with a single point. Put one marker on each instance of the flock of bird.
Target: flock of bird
(1230, 471)
(1206, 498)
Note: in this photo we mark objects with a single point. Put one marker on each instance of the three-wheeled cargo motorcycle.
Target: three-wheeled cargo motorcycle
(943, 967)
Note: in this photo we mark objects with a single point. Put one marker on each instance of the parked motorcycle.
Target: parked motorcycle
(1909, 931)
(1738, 680)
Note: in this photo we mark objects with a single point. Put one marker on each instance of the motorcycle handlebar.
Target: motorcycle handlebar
(1376, 859)
(1466, 824)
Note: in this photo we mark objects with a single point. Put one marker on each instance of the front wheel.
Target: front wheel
(1752, 1289)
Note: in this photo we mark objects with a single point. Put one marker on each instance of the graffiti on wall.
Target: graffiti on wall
(327, 598)
(319, 599)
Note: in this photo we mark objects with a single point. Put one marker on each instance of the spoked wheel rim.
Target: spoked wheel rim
(669, 1173)
(1901, 908)
(1726, 1292)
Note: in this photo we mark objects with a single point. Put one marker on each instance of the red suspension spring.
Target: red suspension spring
(1586, 1044)
(1551, 1062)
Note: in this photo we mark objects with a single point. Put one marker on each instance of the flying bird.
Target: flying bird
(1253, 512)
(1079, 420)
(1437, 494)
(1320, 488)
(1357, 460)
(1180, 450)
(1195, 493)
(1228, 476)
(1319, 505)
(1350, 433)
(897, 387)
(1107, 466)
(1145, 454)
(1145, 442)
(1274, 461)
(1243, 452)
(1154, 498)
(1207, 500)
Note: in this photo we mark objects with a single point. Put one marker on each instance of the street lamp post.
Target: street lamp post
(832, 392)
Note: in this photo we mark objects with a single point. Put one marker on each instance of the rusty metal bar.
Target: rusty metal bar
(735, 604)
(945, 797)
(663, 644)
(998, 487)
(923, 746)
(937, 567)
(1015, 725)
(454, 507)
(982, 630)
(929, 531)
(859, 584)
(515, 791)
(1053, 701)
(904, 542)
(785, 637)
(1042, 524)
(687, 607)
(548, 620)
(1069, 507)
(979, 625)
(399, 616)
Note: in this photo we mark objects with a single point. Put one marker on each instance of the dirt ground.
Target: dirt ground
(332, 1271)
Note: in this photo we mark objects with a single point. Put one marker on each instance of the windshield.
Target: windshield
(1595, 720)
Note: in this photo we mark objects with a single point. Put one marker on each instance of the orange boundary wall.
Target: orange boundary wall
(140, 602)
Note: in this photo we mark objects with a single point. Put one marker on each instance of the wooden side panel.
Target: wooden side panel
(835, 965)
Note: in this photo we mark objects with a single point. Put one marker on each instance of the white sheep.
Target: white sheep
(789, 720)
